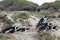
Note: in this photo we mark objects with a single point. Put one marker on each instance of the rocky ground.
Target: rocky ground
(30, 22)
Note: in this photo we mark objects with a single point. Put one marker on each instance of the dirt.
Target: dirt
(32, 34)
(27, 35)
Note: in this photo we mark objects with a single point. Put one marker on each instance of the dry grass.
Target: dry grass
(4, 37)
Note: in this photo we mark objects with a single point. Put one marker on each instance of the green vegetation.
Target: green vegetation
(3, 37)
(17, 1)
(23, 16)
(41, 14)
(47, 4)
(48, 37)
(20, 15)
(57, 0)
(55, 5)
(17, 5)
(5, 20)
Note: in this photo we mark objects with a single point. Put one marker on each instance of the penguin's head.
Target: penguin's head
(45, 17)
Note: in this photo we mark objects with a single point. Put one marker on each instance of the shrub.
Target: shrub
(48, 37)
(23, 16)
(2, 37)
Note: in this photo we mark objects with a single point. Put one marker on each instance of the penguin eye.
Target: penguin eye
(16, 27)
